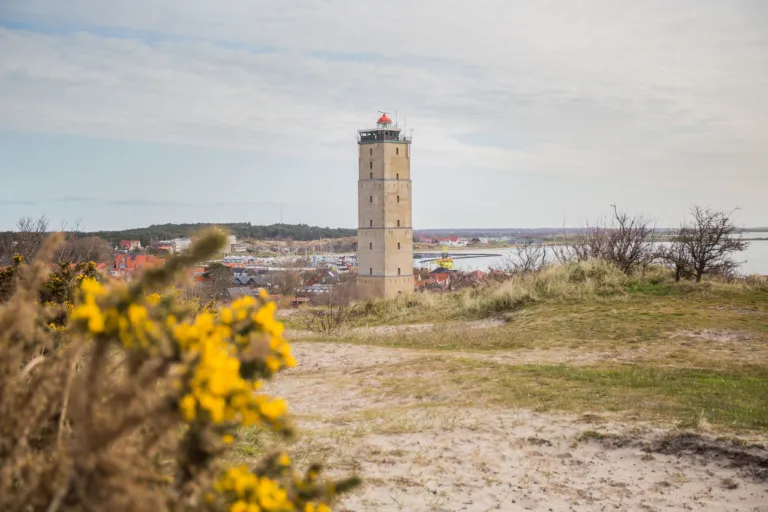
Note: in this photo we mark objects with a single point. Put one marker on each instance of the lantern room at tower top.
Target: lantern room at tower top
(385, 131)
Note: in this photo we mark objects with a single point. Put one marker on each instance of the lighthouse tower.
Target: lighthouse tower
(385, 232)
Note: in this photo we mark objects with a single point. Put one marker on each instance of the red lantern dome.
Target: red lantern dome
(384, 119)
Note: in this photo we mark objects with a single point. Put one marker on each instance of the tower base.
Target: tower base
(376, 287)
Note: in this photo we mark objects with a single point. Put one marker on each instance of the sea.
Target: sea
(754, 260)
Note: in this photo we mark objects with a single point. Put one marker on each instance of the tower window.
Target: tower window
(371, 223)
(398, 223)
(370, 271)
(397, 176)
(398, 199)
(371, 151)
(371, 175)
(370, 164)
(370, 199)
(397, 151)
(398, 245)
(370, 245)
(398, 270)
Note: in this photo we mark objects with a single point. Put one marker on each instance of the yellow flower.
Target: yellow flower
(226, 315)
(227, 439)
(136, 314)
(239, 506)
(214, 405)
(273, 409)
(188, 405)
(283, 460)
(90, 286)
(321, 507)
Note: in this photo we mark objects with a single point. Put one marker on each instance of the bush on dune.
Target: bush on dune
(571, 281)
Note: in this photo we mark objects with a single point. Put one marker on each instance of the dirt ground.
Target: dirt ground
(417, 455)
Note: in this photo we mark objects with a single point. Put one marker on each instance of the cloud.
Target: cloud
(14, 202)
(648, 93)
(74, 199)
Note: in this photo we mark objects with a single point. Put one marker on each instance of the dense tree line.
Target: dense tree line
(299, 232)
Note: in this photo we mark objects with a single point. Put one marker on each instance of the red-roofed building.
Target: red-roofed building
(130, 263)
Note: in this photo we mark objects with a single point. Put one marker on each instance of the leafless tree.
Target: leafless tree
(287, 281)
(90, 248)
(705, 245)
(627, 241)
(529, 256)
(218, 277)
(25, 240)
(675, 256)
(459, 280)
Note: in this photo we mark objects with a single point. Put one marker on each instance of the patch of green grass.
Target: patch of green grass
(652, 329)
(441, 337)
(737, 400)
(655, 286)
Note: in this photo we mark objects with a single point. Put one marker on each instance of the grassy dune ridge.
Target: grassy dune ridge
(583, 337)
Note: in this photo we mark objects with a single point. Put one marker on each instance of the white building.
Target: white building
(181, 244)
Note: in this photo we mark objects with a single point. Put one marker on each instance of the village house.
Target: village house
(130, 245)
(130, 263)
(453, 241)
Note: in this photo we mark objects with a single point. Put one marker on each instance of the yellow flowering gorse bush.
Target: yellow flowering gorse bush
(184, 381)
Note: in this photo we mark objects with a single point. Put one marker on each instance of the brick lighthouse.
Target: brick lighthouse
(384, 228)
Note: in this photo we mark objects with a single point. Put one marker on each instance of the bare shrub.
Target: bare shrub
(705, 245)
(529, 256)
(25, 240)
(330, 311)
(286, 282)
(89, 248)
(627, 241)
(460, 280)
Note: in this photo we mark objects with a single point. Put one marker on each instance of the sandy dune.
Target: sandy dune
(433, 457)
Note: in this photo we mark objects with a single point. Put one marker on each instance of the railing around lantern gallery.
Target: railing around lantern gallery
(364, 136)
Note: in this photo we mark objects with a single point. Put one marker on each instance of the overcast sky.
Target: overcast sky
(525, 114)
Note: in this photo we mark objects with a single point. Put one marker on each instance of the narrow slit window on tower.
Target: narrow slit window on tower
(397, 151)
(370, 199)
(370, 223)
(370, 245)
(371, 175)
(370, 151)
(398, 223)
(398, 199)
(398, 245)
(370, 271)
(398, 270)
(370, 164)
(397, 176)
